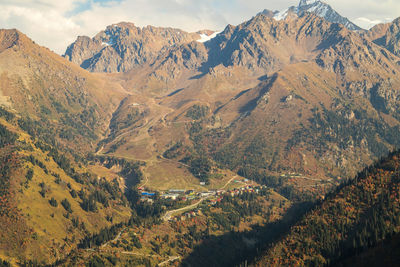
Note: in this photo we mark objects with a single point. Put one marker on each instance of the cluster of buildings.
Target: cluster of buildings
(216, 196)
(212, 197)
(180, 194)
(173, 194)
(245, 189)
(187, 215)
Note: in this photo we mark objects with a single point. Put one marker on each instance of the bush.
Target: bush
(67, 206)
(29, 175)
(73, 193)
(89, 204)
(53, 202)
(197, 112)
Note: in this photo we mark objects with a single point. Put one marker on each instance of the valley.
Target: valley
(270, 143)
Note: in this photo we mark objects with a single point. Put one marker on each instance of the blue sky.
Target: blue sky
(57, 23)
(87, 5)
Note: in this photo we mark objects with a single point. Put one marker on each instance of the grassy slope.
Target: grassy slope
(52, 234)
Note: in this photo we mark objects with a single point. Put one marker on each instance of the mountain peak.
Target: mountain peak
(12, 37)
(8, 38)
(320, 9)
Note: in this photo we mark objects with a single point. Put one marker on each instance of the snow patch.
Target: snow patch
(281, 15)
(109, 42)
(205, 38)
(307, 2)
(321, 10)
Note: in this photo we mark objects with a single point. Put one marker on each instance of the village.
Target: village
(194, 199)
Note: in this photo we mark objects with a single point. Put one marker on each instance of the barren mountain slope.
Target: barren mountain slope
(41, 85)
(387, 35)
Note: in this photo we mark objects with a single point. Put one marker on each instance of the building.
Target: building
(170, 196)
(206, 194)
(147, 194)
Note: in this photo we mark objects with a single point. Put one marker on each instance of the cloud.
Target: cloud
(41, 20)
(56, 24)
(367, 23)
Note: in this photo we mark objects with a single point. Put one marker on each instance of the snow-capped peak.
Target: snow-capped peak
(318, 8)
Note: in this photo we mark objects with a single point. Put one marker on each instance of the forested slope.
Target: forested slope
(359, 215)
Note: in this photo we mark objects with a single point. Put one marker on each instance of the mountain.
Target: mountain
(350, 227)
(50, 199)
(123, 46)
(258, 47)
(316, 7)
(294, 105)
(52, 113)
(296, 102)
(72, 105)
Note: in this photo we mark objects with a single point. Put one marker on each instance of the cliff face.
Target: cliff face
(123, 46)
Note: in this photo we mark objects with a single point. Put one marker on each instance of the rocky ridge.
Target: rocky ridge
(123, 46)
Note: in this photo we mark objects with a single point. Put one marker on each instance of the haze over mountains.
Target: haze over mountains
(298, 100)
